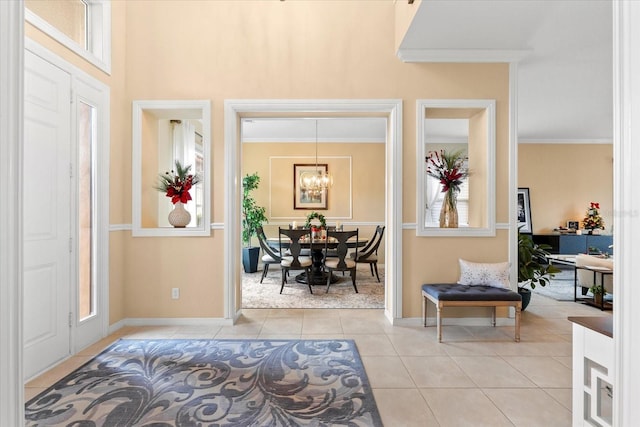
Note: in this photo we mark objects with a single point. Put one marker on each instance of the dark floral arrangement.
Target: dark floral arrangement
(592, 219)
(176, 184)
(448, 168)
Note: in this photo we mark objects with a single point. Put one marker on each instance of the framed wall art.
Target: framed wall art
(524, 211)
(302, 198)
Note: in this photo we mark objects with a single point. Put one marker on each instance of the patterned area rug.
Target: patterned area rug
(296, 295)
(561, 286)
(166, 383)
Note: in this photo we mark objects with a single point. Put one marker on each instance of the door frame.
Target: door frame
(86, 88)
(234, 110)
(11, 167)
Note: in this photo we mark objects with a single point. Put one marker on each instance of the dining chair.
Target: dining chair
(294, 261)
(341, 262)
(270, 255)
(331, 253)
(369, 254)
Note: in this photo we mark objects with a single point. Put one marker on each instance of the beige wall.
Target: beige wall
(357, 196)
(260, 50)
(404, 14)
(563, 179)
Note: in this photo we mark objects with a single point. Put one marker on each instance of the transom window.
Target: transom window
(84, 26)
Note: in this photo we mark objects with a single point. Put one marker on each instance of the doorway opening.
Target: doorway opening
(391, 110)
(278, 150)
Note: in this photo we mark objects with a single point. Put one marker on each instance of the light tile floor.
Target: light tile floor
(478, 376)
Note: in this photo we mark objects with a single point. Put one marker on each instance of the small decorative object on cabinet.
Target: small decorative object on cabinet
(592, 220)
(176, 184)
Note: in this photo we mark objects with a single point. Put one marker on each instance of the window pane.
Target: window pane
(68, 16)
(86, 285)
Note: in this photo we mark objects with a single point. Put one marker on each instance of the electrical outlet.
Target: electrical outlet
(175, 293)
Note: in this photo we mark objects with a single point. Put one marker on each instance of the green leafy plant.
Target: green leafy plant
(598, 290)
(533, 267)
(252, 215)
(319, 217)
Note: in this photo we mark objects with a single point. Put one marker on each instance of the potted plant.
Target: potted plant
(598, 292)
(252, 217)
(533, 267)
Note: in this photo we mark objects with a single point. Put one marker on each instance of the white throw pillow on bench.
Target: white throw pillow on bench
(484, 274)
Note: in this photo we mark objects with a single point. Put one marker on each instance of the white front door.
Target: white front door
(47, 214)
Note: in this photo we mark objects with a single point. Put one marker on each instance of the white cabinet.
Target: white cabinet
(592, 371)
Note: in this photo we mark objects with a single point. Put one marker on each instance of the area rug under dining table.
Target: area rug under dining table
(296, 295)
(212, 382)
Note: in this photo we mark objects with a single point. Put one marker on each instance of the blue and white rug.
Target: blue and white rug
(213, 383)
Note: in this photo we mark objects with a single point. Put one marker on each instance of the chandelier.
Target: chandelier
(315, 182)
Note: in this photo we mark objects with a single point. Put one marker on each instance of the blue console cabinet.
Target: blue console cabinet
(575, 244)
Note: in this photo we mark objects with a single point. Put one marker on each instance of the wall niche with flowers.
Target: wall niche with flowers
(170, 168)
(456, 167)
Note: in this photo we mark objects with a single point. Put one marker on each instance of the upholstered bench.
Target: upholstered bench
(455, 295)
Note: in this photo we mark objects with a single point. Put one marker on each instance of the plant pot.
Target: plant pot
(526, 297)
(250, 259)
(597, 299)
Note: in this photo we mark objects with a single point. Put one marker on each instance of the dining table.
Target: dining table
(316, 247)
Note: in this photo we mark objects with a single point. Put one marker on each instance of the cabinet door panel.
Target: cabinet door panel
(573, 244)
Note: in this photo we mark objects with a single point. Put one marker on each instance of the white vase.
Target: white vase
(179, 217)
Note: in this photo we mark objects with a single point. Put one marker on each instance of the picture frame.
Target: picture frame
(302, 200)
(573, 225)
(523, 213)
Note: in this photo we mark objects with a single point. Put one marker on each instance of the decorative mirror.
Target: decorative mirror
(170, 139)
(455, 167)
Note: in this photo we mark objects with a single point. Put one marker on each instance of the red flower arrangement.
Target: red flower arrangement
(448, 168)
(176, 184)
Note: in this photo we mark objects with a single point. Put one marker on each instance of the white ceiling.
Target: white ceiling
(564, 53)
(564, 47)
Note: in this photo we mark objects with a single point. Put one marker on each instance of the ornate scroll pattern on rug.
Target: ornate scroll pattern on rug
(213, 382)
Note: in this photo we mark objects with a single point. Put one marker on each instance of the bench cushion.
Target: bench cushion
(455, 292)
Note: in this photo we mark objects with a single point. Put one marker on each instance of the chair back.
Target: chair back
(294, 236)
(264, 244)
(342, 248)
(374, 243)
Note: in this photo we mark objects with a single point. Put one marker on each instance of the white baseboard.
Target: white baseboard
(166, 321)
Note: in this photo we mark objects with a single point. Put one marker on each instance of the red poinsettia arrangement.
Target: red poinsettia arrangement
(448, 168)
(176, 184)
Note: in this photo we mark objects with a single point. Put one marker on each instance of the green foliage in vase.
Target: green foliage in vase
(252, 215)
